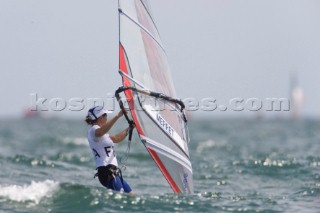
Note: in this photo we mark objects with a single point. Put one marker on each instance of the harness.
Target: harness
(111, 171)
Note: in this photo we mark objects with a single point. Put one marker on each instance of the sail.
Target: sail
(157, 113)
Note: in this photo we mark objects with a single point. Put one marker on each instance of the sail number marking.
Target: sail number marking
(164, 124)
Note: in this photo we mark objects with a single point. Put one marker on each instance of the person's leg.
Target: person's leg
(116, 185)
(127, 188)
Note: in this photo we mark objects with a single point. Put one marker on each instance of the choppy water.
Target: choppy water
(239, 166)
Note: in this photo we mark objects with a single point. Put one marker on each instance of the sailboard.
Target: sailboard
(149, 92)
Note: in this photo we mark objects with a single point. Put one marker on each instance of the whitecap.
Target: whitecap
(33, 192)
(79, 141)
(210, 144)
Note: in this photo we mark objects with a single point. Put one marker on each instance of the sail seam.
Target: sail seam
(151, 17)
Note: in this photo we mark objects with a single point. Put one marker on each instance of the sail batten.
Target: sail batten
(150, 94)
(143, 28)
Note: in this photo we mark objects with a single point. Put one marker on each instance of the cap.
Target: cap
(95, 112)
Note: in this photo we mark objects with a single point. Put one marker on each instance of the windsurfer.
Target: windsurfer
(102, 146)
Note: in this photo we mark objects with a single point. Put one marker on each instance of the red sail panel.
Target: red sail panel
(123, 67)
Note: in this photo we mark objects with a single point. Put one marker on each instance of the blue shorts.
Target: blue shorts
(116, 184)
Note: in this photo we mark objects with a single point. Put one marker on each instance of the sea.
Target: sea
(239, 165)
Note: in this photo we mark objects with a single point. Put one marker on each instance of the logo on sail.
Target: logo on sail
(164, 124)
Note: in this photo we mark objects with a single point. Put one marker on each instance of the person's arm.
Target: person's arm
(107, 126)
(120, 136)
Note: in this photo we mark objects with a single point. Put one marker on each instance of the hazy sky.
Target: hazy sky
(219, 49)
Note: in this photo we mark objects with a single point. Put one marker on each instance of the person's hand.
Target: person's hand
(120, 113)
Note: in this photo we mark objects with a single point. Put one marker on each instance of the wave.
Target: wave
(33, 192)
(71, 197)
(277, 163)
(78, 141)
(210, 145)
(62, 161)
(31, 161)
